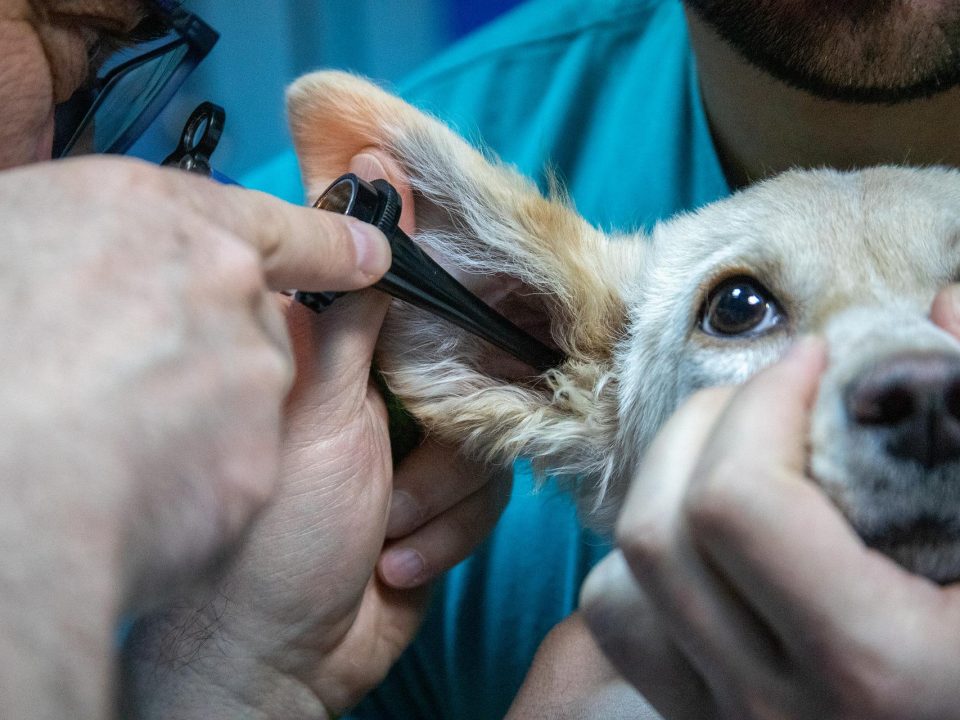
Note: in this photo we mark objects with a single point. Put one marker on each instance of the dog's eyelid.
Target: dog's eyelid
(739, 306)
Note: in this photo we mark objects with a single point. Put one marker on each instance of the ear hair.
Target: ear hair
(486, 219)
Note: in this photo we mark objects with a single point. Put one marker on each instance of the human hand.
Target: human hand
(301, 612)
(442, 507)
(740, 591)
(299, 626)
(144, 373)
(301, 615)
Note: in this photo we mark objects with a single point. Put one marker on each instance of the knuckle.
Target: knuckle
(269, 224)
(596, 599)
(252, 485)
(712, 506)
(279, 369)
(229, 264)
(646, 542)
(470, 526)
(862, 683)
(268, 370)
(135, 178)
(253, 459)
(242, 265)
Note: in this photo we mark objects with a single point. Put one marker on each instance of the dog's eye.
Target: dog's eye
(739, 306)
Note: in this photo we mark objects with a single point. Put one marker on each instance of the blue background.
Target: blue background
(265, 45)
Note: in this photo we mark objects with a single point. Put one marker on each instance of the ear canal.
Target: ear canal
(487, 220)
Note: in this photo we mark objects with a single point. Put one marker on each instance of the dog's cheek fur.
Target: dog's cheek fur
(485, 219)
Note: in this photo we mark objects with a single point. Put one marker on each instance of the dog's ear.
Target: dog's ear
(495, 231)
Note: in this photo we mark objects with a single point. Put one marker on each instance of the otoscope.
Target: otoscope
(413, 275)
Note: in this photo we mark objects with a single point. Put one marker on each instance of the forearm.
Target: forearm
(571, 679)
(173, 667)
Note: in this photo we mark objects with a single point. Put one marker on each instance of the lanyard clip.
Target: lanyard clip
(199, 139)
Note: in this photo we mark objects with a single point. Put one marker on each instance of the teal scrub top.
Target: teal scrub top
(604, 95)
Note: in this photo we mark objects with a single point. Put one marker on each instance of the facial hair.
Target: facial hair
(867, 51)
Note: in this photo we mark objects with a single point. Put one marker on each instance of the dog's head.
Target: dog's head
(709, 298)
(858, 258)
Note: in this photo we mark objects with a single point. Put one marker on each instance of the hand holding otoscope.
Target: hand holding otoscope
(413, 275)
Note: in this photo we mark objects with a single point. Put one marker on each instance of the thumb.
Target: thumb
(945, 311)
(299, 247)
(334, 350)
(775, 405)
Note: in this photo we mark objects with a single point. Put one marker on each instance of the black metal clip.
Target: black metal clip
(199, 139)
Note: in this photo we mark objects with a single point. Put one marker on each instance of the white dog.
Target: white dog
(708, 298)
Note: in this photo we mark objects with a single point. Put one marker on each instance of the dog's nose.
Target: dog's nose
(913, 402)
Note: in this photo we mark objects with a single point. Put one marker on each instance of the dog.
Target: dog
(644, 320)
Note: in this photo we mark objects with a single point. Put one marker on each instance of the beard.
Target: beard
(868, 51)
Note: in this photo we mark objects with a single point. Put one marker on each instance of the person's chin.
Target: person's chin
(862, 51)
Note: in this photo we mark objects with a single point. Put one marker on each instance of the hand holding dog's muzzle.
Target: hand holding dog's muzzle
(751, 582)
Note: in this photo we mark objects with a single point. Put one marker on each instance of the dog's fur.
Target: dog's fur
(857, 257)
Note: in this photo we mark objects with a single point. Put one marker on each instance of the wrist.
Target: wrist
(180, 664)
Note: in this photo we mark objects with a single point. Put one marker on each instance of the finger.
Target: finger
(781, 395)
(787, 550)
(443, 542)
(656, 498)
(628, 629)
(717, 632)
(795, 559)
(390, 619)
(300, 247)
(333, 353)
(945, 310)
(430, 480)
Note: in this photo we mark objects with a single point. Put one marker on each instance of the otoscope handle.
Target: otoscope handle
(418, 279)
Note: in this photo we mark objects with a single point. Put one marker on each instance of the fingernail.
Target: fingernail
(404, 513)
(953, 294)
(402, 568)
(373, 251)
